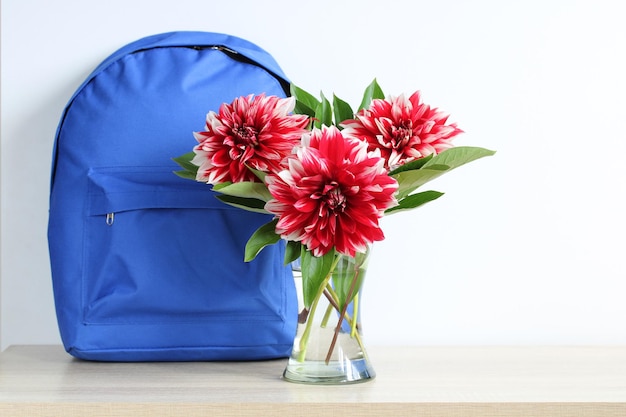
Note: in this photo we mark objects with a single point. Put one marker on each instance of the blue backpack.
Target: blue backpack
(147, 266)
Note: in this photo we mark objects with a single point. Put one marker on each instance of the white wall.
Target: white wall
(526, 247)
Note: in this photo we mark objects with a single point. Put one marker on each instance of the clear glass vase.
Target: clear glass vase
(328, 347)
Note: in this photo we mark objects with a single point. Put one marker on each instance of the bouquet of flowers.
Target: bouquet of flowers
(327, 174)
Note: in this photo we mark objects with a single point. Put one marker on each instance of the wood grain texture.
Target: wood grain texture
(424, 381)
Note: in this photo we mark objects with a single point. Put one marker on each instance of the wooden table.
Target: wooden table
(412, 381)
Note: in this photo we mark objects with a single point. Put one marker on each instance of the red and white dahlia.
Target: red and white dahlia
(332, 193)
(404, 129)
(253, 131)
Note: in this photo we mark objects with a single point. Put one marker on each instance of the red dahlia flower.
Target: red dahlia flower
(332, 194)
(403, 129)
(252, 131)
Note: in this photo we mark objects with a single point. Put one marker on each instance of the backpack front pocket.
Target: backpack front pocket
(160, 249)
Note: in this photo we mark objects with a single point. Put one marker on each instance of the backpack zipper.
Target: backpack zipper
(220, 48)
(229, 52)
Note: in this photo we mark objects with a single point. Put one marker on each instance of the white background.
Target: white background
(527, 247)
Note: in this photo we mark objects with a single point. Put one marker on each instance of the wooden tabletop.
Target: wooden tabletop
(425, 381)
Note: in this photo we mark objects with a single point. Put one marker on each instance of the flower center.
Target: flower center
(401, 135)
(246, 136)
(334, 198)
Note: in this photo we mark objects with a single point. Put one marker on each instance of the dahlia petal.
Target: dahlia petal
(305, 205)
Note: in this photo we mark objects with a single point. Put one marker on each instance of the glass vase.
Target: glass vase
(328, 347)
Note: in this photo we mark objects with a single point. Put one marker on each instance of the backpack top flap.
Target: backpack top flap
(238, 48)
(146, 265)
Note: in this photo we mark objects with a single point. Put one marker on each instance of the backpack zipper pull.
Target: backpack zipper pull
(110, 218)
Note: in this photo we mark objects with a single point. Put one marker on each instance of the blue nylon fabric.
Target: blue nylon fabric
(165, 281)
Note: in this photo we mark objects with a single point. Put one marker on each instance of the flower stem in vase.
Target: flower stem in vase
(344, 311)
(328, 348)
(304, 340)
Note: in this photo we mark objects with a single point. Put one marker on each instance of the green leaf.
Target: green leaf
(262, 237)
(300, 108)
(409, 181)
(186, 175)
(293, 250)
(259, 174)
(315, 270)
(305, 102)
(417, 164)
(414, 200)
(461, 155)
(185, 162)
(323, 113)
(439, 167)
(245, 189)
(341, 110)
(373, 91)
(349, 270)
(249, 204)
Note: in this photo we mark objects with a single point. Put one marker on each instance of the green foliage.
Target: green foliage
(262, 237)
(189, 170)
(325, 113)
(373, 91)
(457, 156)
(409, 181)
(414, 200)
(247, 189)
(246, 195)
(341, 110)
(417, 164)
(249, 204)
(305, 102)
(186, 175)
(411, 177)
(316, 272)
(292, 251)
